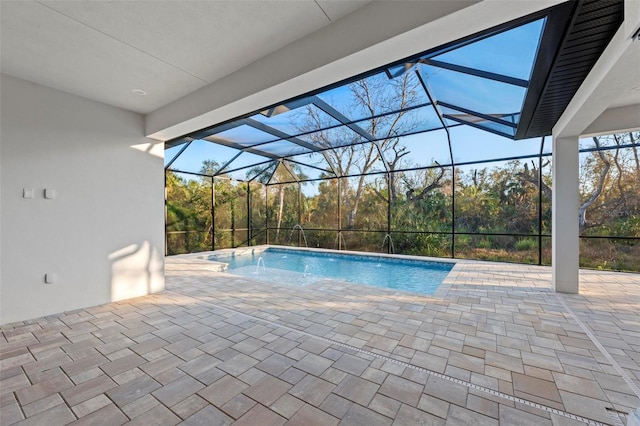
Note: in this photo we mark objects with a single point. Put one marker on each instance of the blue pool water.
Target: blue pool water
(303, 267)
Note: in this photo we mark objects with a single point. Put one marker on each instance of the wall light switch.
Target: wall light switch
(27, 193)
(49, 278)
(49, 193)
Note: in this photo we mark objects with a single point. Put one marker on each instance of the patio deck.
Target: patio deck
(493, 346)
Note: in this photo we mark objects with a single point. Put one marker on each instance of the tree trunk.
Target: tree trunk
(370, 159)
(598, 190)
(393, 190)
(635, 157)
(437, 183)
(354, 209)
(280, 209)
(533, 177)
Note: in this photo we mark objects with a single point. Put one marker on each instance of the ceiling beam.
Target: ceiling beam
(487, 117)
(279, 134)
(342, 118)
(477, 126)
(475, 72)
(231, 144)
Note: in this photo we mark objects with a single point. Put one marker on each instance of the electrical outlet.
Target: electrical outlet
(27, 193)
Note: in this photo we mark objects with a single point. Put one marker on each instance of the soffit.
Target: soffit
(593, 25)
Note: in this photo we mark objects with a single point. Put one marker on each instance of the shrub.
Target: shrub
(526, 244)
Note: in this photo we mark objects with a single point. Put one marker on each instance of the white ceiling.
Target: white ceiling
(102, 49)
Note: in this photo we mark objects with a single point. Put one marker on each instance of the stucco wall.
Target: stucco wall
(102, 234)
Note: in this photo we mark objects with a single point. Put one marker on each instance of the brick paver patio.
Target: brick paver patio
(494, 345)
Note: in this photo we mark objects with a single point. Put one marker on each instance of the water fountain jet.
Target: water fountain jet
(391, 248)
(299, 227)
(260, 261)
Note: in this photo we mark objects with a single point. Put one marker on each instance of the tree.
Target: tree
(430, 182)
(348, 153)
(610, 180)
(188, 213)
(281, 175)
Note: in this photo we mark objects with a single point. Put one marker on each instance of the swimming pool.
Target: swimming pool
(303, 267)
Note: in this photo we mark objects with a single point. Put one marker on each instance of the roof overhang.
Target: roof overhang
(579, 34)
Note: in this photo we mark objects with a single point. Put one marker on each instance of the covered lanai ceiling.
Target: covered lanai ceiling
(513, 81)
(101, 50)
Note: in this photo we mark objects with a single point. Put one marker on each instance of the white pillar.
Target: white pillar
(565, 209)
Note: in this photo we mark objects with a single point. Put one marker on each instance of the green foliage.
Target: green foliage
(526, 244)
(484, 244)
(499, 198)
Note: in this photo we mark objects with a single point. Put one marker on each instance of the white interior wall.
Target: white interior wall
(102, 236)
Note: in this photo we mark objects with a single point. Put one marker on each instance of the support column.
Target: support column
(565, 209)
